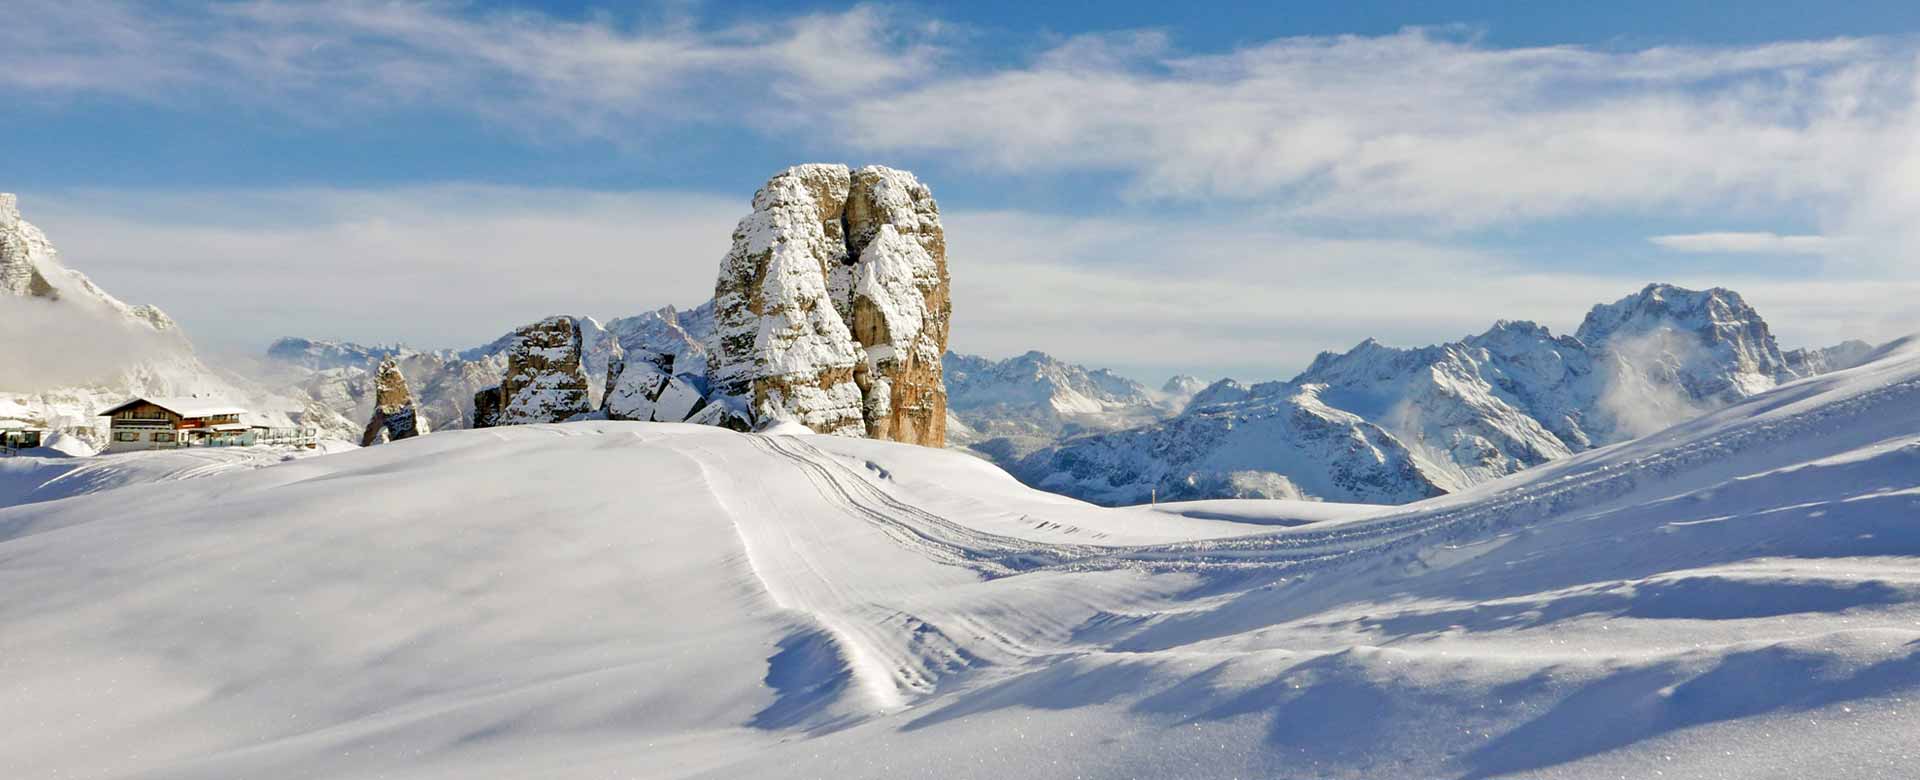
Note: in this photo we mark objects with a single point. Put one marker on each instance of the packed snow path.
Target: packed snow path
(1735, 597)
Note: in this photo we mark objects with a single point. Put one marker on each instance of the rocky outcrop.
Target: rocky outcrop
(600, 349)
(832, 307)
(21, 248)
(545, 379)
(899, 305)
(31, 268)
(643, 387)
(393, 407)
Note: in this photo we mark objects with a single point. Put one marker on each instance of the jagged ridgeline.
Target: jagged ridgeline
(831, 310)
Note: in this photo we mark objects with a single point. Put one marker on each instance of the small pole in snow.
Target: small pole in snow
(1153, 496)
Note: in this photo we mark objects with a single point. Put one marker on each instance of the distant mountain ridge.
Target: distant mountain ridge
(1444, 417)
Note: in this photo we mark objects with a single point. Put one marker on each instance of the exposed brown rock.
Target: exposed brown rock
(544, 381)
(393, 407)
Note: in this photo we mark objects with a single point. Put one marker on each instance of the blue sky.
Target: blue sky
(1221, 190)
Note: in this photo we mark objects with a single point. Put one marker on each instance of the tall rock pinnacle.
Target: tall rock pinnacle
(833, 308)
(393, 407)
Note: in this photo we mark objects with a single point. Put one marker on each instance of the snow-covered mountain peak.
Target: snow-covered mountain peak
(1490, 404)
(1709, 342)
(1183, 385)
(1037, 378)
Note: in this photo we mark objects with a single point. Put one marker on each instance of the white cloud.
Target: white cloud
(1423, 128)
(527, 70)
(1746, 243)
(1419, 126)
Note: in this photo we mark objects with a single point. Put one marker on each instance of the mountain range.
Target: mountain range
(1375, 424)
(1381, 424)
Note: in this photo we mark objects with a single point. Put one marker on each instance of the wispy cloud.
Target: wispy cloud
(1747, 243)
(1424, 125)
(598, 77)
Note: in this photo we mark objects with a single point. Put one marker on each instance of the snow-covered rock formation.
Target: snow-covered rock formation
(545, 380)
(72, 349)
(394, 416)
(1468, 411)
(643, 387)
(600, 349)
(832, 307)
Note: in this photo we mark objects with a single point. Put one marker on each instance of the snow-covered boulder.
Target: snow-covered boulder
(393, 408)
(643, 387)
(832, 307)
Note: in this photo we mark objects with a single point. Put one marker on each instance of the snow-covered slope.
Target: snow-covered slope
(1468, 411)
(1734, 597)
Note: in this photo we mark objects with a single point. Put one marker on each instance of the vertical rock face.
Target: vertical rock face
(832, 307)
(900, 306)
(545, 380)
(21, 246)
(784, 349)
(393, 407)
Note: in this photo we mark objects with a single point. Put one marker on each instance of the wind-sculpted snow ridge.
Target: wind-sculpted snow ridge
(1736, 596)
(1477, 409)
